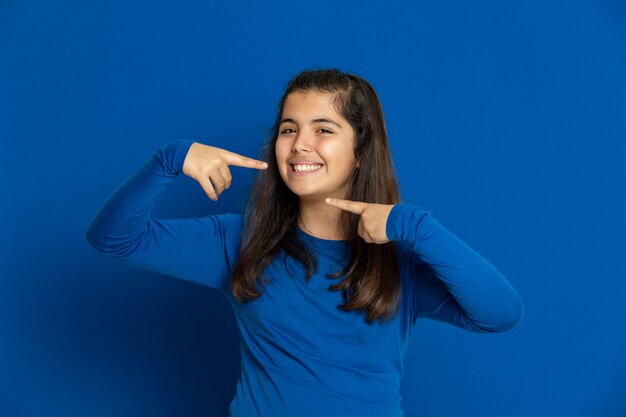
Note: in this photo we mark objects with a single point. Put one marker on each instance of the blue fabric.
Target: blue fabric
(300, 354)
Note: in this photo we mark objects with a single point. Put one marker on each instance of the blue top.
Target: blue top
(300, 354)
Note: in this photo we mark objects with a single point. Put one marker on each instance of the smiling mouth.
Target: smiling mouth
(305, 167)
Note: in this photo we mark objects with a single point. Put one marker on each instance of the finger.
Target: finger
(355, 207)
(208, 188)
(218, 182)
(359, 231)
(243, 161)
(228, 178)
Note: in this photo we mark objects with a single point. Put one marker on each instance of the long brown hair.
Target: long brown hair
(372, 279)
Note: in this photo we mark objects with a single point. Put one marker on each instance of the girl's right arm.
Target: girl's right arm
(201, 250)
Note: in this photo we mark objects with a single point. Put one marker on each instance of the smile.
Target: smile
(308, 168)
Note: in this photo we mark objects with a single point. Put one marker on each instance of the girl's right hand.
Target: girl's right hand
(209, 166)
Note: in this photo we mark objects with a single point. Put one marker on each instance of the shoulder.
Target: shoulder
(222, 233)
(227, 226)
(408, 260)
(232, 223)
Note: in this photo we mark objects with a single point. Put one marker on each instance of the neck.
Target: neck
(320, 220)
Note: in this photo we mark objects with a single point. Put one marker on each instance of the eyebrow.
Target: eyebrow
(318, 120)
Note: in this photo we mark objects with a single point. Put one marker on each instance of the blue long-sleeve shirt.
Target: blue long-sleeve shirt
(300, 354)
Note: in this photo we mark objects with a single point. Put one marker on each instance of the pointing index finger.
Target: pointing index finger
(355, 207)
(243, 161)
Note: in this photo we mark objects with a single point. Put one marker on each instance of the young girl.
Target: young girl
(326, 272)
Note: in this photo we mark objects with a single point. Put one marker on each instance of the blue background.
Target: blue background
(507, 122)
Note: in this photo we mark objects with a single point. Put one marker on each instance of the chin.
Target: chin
(308, 194)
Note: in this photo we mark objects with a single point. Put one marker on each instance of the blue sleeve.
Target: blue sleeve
(448, 280)
(201, 250)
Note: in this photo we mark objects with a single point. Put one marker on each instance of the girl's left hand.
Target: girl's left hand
(373, 221)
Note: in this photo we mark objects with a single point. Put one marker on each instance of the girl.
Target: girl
(326, 272)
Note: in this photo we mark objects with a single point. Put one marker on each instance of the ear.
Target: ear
(358, 163)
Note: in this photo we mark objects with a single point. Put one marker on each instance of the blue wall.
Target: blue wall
(507, 122)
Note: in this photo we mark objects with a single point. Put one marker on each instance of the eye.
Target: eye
(325, 131)
(287, 131)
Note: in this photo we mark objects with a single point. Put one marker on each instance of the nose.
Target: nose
(302, 142)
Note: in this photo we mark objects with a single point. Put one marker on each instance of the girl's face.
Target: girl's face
(315, 147)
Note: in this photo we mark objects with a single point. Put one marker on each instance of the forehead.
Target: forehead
(310, 101)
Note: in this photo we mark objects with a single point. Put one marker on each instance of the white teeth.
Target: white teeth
(299, 168)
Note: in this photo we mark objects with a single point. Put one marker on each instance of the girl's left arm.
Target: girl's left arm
(449, 280)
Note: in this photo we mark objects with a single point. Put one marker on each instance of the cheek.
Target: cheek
(281, 151)
(340, 154)
(349, 164)
(281, 156)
